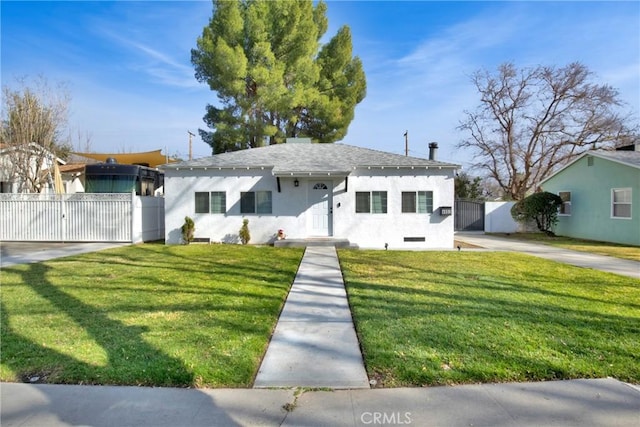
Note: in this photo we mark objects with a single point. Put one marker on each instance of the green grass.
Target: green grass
(430, 318)
(190, 316)
(600, 248)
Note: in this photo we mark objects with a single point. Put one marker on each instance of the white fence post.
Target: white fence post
(63, 219)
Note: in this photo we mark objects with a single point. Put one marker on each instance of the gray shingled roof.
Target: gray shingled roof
(306, 158)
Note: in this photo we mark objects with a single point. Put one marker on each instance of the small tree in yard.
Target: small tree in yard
(245, 236)
(541, 207)
(188, 229)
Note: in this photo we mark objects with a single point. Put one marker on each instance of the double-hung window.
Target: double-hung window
(417, 202)
(214, 202)
(565, 207)
(621, 203)
(259, 202)
(371, 202)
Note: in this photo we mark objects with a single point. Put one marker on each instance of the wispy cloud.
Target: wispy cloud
(160, 66)
(427, 89)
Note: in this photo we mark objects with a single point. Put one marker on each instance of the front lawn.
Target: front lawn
(600, 248)
(187, 316)
(430, 318)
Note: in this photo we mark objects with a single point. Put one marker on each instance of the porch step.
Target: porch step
(319, 241)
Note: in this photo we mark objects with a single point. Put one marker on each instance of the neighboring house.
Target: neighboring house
(73, 177)
(310, 190)
(32, 161)
(115, 173)
(601, 194)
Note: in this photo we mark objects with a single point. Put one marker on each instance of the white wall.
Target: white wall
(290, 205)
(73, 184)
(147, 219)
(374, 230)
(498, 219)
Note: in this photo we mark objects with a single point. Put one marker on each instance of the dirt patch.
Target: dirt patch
(465, 245)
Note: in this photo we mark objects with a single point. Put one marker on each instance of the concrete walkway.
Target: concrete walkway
(315, 343)
(581, 259)
(599, 402)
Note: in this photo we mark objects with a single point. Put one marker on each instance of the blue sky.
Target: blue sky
(127, 64)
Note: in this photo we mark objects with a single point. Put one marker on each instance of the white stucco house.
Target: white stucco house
(308, 190)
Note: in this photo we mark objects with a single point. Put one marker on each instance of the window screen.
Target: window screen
(248, 202)
(202, 202)
(363, 202)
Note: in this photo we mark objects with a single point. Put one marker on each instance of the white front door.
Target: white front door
(320, 206)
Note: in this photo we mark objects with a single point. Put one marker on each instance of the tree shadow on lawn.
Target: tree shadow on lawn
(95, 406)
(498, 334)
(124, 345)
(532, 284)
(177, 259)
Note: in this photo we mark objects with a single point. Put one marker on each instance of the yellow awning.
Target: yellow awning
(151, 158)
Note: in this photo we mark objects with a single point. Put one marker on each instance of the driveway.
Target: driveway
(581, 259)
(12, 253)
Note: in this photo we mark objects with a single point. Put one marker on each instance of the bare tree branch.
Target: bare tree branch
(532, 121)
(34, 119)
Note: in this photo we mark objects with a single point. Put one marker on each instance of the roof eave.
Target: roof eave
(310, 173)
(581, 156)
(212, 167)
(413, 167)
(620, 161)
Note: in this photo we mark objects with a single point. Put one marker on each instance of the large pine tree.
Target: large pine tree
(272, 76)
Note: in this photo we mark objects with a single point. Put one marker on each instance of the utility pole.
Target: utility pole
(406, 143)
(190, 145)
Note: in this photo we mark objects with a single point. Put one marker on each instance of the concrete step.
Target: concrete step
(317, 241)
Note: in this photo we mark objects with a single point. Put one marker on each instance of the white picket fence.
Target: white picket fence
(81, 217)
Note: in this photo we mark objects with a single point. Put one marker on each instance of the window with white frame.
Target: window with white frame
(259, 202)
(214, 202)
(371, 202)
(417, 202)
(621, 203)
(565, 207)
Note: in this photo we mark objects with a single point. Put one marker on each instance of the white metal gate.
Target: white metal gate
(74, 217)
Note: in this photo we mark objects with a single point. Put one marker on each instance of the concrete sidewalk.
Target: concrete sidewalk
(599, 402)
(581, 259)
(315, 343)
